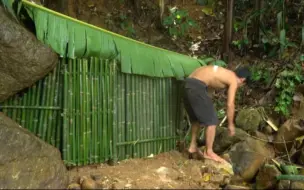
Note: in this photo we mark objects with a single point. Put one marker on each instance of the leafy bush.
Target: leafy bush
(178, 22)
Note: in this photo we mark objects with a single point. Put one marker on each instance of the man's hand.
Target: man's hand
(231, 129)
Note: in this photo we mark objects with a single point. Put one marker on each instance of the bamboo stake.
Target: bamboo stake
(94, 143)
(65, 117)
(56, 116)
(122, 106)
(114, 112)
(70, 110)
(31, 117)
(149, 114)
(43, 102)
(37, 103)
(59, 133)
(136, 111)
(86, 114)
(81, 114)
(128, 114)
(49, 115)
(98, 110)
(104, 111)
(78, 147)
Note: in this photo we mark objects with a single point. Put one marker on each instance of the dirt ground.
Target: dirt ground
(171, 170)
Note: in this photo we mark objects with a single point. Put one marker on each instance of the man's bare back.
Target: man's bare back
(214, 76)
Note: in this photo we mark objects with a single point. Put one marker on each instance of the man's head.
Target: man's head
(243, 74)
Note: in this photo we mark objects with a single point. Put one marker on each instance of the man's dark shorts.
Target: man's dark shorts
(198, 104)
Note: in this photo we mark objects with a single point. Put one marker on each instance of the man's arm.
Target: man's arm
(230, 100)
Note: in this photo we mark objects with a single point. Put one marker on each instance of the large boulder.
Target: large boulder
(23, 59)
(248, 119)
(248, 156)
(288, 132)
(26, 162)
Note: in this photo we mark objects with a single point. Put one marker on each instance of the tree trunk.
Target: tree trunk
(226, 54)
(259, 4)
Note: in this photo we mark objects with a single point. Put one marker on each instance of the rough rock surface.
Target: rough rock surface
(27, 162)
(266, 178)
(248, 119)
(248, 156)
(223, 141)
(23, 59)
(289, 131)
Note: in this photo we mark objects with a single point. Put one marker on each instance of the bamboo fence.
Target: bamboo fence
(94, 113)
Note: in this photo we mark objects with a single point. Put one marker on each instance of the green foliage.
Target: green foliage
(178, 23)
(126, 26)
(285, 84)
(260, 73)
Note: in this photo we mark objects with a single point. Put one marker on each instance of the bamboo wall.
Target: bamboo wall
(93, 113)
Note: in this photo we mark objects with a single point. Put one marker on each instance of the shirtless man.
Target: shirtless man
(199, 105)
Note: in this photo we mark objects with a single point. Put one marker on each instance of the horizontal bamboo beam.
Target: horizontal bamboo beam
(144, 141)
(32, 107)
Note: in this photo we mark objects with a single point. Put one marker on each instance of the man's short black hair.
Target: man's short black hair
(243, 72)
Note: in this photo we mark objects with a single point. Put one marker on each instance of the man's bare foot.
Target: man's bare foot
(195, 152)
(212, 156)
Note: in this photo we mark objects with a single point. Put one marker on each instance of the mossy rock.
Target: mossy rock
(248, 119)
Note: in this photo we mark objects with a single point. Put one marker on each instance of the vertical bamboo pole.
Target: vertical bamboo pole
(94, 110)
(59, 133)
(98, 111)
(89, 112)
(70, 111)
(78, 147)
(155, 111)
(104, 110)
(24, 99)
(57, 114)
(14, 112)
(82, 111)
(45, 93)
(144, 125)
(66, 118)
(128, 116)
(114, 109)
(86, 112)
(149, 124)
(49, 113)
(110, 108)
(37, 103)
(135, 131)
(32, 103)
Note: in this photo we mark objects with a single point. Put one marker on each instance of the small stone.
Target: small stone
(87, 183)
(74, 186)
(233, 187)
(96, 177)
(128, 185)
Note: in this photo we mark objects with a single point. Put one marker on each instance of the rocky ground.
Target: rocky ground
(261, 155)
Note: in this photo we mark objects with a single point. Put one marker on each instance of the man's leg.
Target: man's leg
(194, 132)
(208, 153)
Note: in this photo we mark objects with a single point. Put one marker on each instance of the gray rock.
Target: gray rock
(27, 162)
(23, 59)
(248, 119)
(248, 156)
